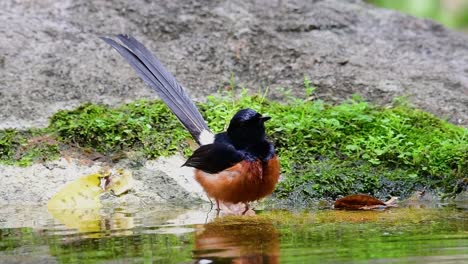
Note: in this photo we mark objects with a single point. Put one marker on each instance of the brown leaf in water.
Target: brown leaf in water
(359, 202)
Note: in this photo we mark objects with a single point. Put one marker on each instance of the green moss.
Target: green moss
(330, 150)
(26, 147)
(143, 125)
(9, 142)
(325, 150)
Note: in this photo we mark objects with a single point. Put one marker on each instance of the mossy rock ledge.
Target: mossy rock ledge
(326, 150)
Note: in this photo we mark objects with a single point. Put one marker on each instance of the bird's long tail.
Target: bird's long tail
(150, 69)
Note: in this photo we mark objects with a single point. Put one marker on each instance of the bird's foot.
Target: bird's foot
(237, 209)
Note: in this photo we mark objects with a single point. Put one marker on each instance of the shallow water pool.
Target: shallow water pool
(164, 234)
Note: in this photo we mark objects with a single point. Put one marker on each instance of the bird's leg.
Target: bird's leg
(247, 207)
(217, 206)
(211, 203)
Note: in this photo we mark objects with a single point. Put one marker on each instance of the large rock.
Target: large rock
(51, 57)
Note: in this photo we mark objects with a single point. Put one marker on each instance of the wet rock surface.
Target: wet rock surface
(51, 57)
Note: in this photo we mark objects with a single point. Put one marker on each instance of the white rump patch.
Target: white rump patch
(206, 137)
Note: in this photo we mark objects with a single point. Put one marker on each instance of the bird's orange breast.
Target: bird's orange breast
(244, 182)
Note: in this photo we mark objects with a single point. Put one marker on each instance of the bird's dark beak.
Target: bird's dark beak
(265, 118)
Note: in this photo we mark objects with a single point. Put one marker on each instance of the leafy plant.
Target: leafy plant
(27, 147)
(9, 142)
(325, 150)
(148, 126)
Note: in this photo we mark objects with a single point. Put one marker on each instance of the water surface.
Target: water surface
(192, 235)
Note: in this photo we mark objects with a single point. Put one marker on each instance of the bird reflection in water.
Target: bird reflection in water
(237, 239)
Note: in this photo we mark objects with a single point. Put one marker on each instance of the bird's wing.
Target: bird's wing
(214, 158)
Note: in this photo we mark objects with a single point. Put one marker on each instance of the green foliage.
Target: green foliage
(453, 14)
(308, 88)
(25, 148)
(330, 150)
(39, 152)
(425, 149)
(325, 150)
(9, 142)
(144, 125)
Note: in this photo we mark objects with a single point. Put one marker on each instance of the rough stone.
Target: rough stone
(157, 181)
(51, 57)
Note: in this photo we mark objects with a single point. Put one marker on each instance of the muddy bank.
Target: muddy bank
(52, 59)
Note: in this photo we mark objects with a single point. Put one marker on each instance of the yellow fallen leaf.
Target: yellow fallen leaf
(77, 204)
(81, 193)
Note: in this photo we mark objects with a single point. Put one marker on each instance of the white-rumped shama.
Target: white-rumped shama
(239, 165)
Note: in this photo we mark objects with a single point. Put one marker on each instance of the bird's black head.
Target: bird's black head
(247, 127)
